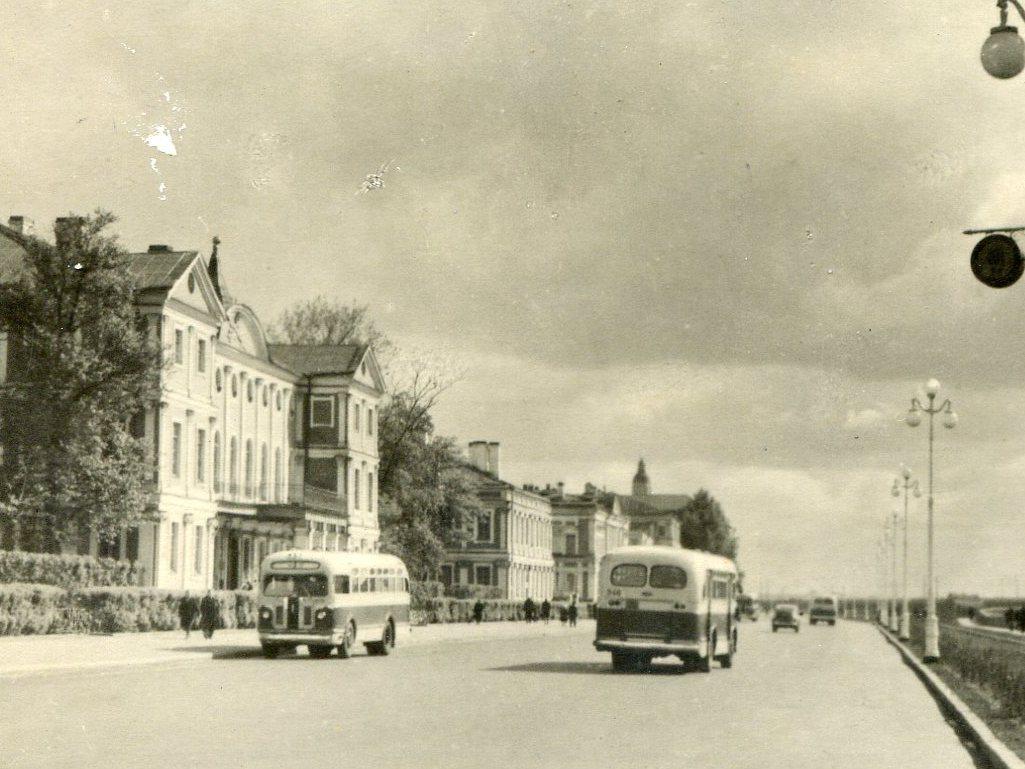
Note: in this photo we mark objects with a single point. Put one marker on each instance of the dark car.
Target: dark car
(785, 615)
(822, 610)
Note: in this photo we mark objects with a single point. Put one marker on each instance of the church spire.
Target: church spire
(642, 486)
(213, 269)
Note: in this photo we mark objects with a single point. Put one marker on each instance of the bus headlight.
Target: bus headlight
(321, 614)
(265, 613)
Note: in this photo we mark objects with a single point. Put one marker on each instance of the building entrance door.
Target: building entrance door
(232, 562)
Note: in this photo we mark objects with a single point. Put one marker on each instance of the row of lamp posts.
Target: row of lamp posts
(898, 619)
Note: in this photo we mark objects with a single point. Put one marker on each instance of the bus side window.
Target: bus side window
(342, 583)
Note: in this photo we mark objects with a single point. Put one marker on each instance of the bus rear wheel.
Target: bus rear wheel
(622, 661)
(383, 647)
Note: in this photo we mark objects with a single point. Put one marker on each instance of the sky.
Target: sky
(722, 237)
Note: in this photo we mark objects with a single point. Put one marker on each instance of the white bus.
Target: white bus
(327, 600)
(664, 601)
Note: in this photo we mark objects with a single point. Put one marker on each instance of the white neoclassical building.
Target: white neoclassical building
(256, 447)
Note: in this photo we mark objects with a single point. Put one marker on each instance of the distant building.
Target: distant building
(257, 447)
(510, 548)
(652, 516)
(585, 527)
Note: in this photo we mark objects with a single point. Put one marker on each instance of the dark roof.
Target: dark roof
(653, 504)
(311, 359)
(159, 269)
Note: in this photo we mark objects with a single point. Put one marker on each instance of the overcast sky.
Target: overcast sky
(721, 236)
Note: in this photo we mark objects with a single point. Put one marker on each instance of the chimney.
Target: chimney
(562, 489)
(493, 459)
(479, 455)
(66, 227)
(22, 225)
(213, 269)
(160, 248)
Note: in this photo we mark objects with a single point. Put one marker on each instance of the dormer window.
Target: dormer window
(322, 411)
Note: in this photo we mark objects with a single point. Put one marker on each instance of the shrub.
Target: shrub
(39, 609)
(66, 571)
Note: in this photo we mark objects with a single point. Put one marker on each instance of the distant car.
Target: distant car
(823, 609)
(785, 615)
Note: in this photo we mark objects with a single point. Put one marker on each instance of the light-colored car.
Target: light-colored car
(785, 615)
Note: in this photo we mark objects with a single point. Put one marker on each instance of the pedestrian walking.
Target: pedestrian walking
(563, 615)
(187, 612)
(572, 611)
(208, 613)
(528, 609)
(478, 611)
(546, 611)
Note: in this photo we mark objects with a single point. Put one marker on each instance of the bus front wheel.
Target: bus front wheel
(705, 663)
(383, 647)
(345, 647)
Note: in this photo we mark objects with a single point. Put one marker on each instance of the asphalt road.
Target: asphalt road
(825, 697)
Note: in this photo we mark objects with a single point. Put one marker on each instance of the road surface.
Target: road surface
(827, 697)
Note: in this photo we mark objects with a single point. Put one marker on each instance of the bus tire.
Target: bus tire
(621, 661)
(270, 651)
(383, 647)
(705, 663)
(345, 647)
(320, 652)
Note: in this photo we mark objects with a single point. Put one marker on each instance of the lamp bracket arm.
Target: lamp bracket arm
(1002, 5)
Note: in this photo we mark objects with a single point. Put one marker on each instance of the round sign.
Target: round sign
(997, 261)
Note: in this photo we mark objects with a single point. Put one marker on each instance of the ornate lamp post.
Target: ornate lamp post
(914, 418)
(912, 486)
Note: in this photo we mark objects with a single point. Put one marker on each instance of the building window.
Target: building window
(132, 544)
(322, 411)
(249, 468)
(200, 455)
(198, 565)
(234, 386)
(178, 345)
(217, 461)
(571, 544)
(370, 492)
(174, 546)
(370, 421)
(233, 466)
(484, 528)
(176, 449)
(355, 417)
(109, 548)
(278, 491)
(277, 401)
(201, 356)
(265, 396)
(249, 391)
(218, 382)
(355, 489)
(446, 574)
(483, 574)
(263, 471)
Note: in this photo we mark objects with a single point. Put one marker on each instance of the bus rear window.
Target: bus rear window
(629, 575)
(302, 585)
(672, 577)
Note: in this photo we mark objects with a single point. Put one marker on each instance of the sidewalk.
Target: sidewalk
(38, 654)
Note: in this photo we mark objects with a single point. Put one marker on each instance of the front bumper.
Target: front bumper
(646, 645)
(333, 638)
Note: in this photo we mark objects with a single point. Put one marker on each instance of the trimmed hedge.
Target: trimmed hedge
(41, 609)
(65, 571)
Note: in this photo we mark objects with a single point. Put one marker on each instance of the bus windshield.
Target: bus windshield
(301, 585)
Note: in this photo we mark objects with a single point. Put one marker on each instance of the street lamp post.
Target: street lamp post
(914, 418)
(912, 486)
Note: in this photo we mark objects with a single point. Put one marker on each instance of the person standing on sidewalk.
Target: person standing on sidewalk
(186, 612)
(546, 611)
(208, 611)
(572, 611)
(478, 611)
(528, 609)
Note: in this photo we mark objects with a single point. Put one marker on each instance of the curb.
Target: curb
(996, 752)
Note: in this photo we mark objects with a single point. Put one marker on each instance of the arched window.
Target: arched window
(233, 467)
(249, 468)
(218, 380)
(217, 460)
(263, 471)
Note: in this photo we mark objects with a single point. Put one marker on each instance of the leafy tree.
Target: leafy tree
(81, 367)
(704, 526)
(320, 321)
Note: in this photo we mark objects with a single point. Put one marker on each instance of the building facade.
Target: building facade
(256, 448)
(653, 519)
(510, 548)
(585, 527)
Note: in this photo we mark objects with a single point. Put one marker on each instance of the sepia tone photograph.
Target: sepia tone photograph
(528, 384)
